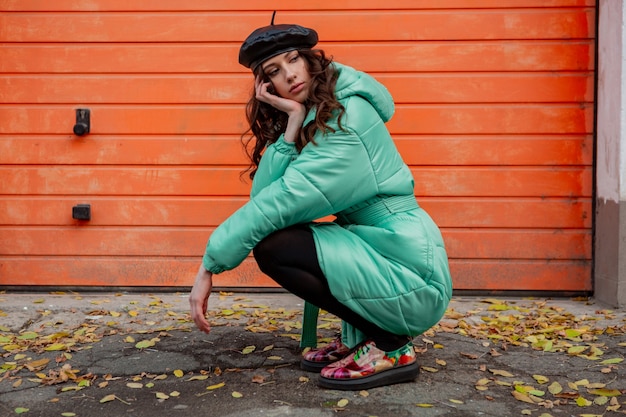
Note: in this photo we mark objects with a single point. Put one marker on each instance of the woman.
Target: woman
(320, 148)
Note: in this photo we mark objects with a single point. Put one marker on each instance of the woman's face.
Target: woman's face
(289, 75)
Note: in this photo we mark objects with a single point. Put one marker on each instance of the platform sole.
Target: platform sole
(405, 373)
(311, 366)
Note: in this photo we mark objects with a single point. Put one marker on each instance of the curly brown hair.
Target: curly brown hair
(268, 123)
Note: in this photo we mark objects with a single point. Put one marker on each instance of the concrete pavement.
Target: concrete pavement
(136, 354)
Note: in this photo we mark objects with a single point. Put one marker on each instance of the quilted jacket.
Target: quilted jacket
(383, 256)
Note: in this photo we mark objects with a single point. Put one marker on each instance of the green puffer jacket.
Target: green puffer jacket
(383, 257)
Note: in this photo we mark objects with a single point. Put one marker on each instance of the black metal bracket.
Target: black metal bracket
(81, 212)
(83, 122)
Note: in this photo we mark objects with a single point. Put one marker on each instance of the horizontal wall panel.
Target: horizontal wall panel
(503, 182)
(123, 150)
(236, 89)
(124, 181)
(561, 150)
(81, 271)
(228, 150)
(255, 5)
(339, 25)
(509, 213)
(111, 88)
(209, 57)
(453, 181)
(481, 119)
(510, 275)
(500, 275)
(562, 213)
(518, 244)
(219, 120)
(95, 241)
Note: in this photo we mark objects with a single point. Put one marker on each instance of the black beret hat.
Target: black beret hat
(273, 40)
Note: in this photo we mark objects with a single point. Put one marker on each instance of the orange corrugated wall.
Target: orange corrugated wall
(494, 115)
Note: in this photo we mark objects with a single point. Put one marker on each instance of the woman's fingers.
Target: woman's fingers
(199, 299)
(198, 309)
(264, 95)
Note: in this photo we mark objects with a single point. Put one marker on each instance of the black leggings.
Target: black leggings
(289, 257)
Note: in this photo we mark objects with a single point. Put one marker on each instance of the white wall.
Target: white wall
(610, 212)
(611, 107)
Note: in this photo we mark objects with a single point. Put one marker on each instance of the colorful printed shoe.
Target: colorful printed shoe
(368, 367)
(316, 359)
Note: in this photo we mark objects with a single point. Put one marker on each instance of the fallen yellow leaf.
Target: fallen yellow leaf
(582, 382)
(600, 400)
(501, 373)
(248, 349)
(108, 398)
(606, 392)
(11, 347)
(342, 402)
(37, 365)
(144, 344)
(55, 347)
(612, 361)
(198, 378)
(28, 336)
(555, 388)
(522, 397)
(575, 350)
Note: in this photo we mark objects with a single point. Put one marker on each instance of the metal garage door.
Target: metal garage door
(494, 115)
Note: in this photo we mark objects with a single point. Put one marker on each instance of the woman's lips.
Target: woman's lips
(296, 88)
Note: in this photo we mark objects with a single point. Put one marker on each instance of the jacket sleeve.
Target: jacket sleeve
(273, 164)
(327, 177)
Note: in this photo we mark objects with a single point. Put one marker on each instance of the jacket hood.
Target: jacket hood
(356, 83)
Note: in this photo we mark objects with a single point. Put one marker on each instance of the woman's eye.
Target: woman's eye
(295, 58)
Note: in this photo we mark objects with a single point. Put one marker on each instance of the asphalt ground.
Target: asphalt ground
(135, 354)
